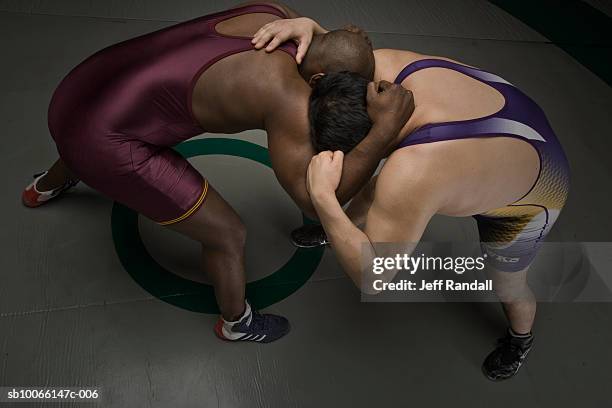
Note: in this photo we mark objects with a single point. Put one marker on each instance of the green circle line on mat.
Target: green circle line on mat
(195, 296)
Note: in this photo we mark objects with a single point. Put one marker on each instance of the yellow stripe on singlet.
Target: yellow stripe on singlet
(192, 209)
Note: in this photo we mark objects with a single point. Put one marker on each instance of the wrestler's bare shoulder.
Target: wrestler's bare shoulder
(389, 62)
(235, 93)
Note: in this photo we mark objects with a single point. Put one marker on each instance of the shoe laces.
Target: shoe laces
(510, 348)
(258, 322)
(69, 183)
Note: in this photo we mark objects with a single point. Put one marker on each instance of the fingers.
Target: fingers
(326, 155)
(322, 158)
(384, 86)
(260, 32)
(393, 90)
(372, 91)
(261, 40)
(273, 34)
(302, 49)
(409, 97)
(268, 34)
(335, 158)
(276, 41)
(402, 95)
(261, 37)
(338, 157)
(375, 88)
(265, 30)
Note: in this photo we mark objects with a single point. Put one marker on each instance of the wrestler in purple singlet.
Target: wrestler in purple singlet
(511, 235)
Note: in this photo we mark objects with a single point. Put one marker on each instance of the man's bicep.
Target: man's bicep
(286, 123)
(394, 217)
(290, 163)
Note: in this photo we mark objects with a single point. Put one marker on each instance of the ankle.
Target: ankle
(231, 318)
(519, 334)
(48, 183)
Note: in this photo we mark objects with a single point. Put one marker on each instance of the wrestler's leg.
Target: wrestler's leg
(516, 297)
(510, 238)
(519, 305)
(221, 232)
(162, 185)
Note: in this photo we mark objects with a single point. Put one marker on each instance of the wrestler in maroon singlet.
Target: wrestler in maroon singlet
(116, 115)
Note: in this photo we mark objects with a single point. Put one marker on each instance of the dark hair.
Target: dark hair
(338, 112)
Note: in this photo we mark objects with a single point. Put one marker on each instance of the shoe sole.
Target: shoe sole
(295, 244)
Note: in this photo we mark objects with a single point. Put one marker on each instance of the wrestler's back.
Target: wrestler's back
(479, 173)
(441, 95)
(143, 88)
(234, 93)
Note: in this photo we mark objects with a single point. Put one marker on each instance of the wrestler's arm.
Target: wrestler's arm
(291, 149)
(402, 207)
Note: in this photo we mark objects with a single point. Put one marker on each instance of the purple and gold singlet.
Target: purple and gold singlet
(510, 235)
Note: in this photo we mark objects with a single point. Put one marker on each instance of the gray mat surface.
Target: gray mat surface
(71, 315)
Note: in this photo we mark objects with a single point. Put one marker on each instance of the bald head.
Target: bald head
(348, 49)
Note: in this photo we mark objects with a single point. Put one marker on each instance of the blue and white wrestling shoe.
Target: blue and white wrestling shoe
(253, 326)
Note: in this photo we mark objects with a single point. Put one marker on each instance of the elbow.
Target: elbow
(366, 285)
(376, 284)
(369, 290)
(370, 287)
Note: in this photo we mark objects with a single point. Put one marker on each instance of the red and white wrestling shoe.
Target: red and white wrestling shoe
(31, 197)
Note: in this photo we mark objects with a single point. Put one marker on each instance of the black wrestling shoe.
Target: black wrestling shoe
(309, 236)
(505, 361)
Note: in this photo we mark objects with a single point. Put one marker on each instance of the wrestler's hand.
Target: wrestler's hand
(299, 29)
(389, 106)
(324, 173)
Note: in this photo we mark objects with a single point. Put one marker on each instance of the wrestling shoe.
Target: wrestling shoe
(31, 197)
(505, 361)
(309, 236)
(253, 326)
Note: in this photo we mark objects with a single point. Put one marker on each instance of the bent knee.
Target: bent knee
(230, 236)
(236, 233)
(222, 232)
